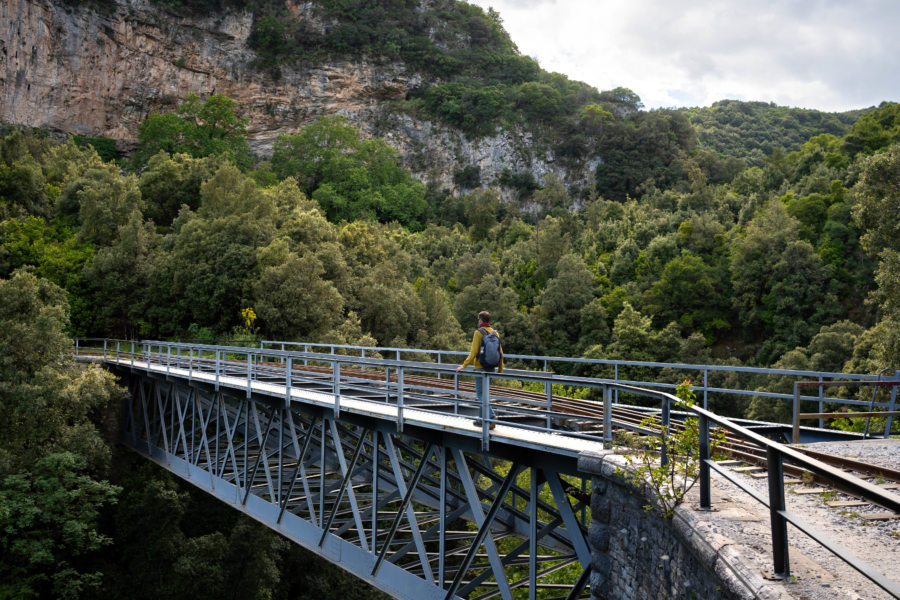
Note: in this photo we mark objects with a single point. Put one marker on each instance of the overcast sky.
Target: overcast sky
(832, 55)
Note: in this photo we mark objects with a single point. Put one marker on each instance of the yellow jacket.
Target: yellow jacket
(472, 359)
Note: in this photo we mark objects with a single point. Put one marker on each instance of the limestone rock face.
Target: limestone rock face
(99, 70)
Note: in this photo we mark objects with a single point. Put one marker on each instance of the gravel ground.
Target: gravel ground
(816, 573)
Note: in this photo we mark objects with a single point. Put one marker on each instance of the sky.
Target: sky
(830, 55)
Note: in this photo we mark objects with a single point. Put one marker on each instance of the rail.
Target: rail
(392, 381)
(701, 384)
(383, 378)
(877, 383)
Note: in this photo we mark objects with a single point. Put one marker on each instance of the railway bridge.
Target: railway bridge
(383, 464)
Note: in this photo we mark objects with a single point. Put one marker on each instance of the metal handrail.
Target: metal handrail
(701, 387)
(776, 454)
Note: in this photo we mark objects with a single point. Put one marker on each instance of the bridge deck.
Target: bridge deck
(555, 443)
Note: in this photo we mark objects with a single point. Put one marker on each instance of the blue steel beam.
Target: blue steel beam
(287, 467)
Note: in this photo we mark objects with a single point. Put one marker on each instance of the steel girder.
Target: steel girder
(417, 514)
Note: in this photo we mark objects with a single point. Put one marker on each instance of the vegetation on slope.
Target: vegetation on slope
(690, 247)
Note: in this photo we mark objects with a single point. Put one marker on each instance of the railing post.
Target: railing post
(249, 373)
(607, 415)
(548, 389)
(780, 557)
(218, 367)
(616, 379)
(455, 392)
(400, 400)
(485, 411)
(168, 358)
(117, 351)
(796, 419)
(892, 407)
(665, 417)
(336, 387)
(821, 404)
(76, 347)
(132, 354)
(705, 388)
(104, 349)
(288, 382)
(703, 424)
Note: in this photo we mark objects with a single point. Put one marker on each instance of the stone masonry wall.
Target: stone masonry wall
(638, 555)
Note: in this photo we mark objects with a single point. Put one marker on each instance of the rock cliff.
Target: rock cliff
(98, 69)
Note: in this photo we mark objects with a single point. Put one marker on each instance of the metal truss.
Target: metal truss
(419, 514)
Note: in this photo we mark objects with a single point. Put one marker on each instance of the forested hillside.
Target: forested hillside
(740, 234)
(753, 131)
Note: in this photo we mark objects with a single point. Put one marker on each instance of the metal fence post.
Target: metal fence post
(336, 388)
(703, 424)
(796, 418)
(249, 373)
(607, 415)
(218, 362)
(892, 407)
(705, 388)
(776, 507)
(616, 379)
(548, 389)
(665, 417)
(821, 404)
(288, 382)
(104, 349)
(485, 411)
(400, 400)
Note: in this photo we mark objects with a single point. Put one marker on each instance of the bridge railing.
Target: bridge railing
(776, 455)
(345, 378)
(702, 376)
(701, 383)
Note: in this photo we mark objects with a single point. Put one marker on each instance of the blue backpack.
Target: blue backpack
(491, 352)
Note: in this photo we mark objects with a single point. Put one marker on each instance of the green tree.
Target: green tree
(291, 296)
(207, 277)
(49, 529)
(51, 450)
(561, 303)
(686, 293)
(207, 128)
(23, 187)
(118, 276)
(350, 177)
(170, 182)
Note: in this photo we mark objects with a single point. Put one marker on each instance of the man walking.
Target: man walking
(486, 355)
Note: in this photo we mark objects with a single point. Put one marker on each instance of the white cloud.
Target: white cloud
(823, 54)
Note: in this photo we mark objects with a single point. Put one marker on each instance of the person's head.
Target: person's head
(484, 317)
